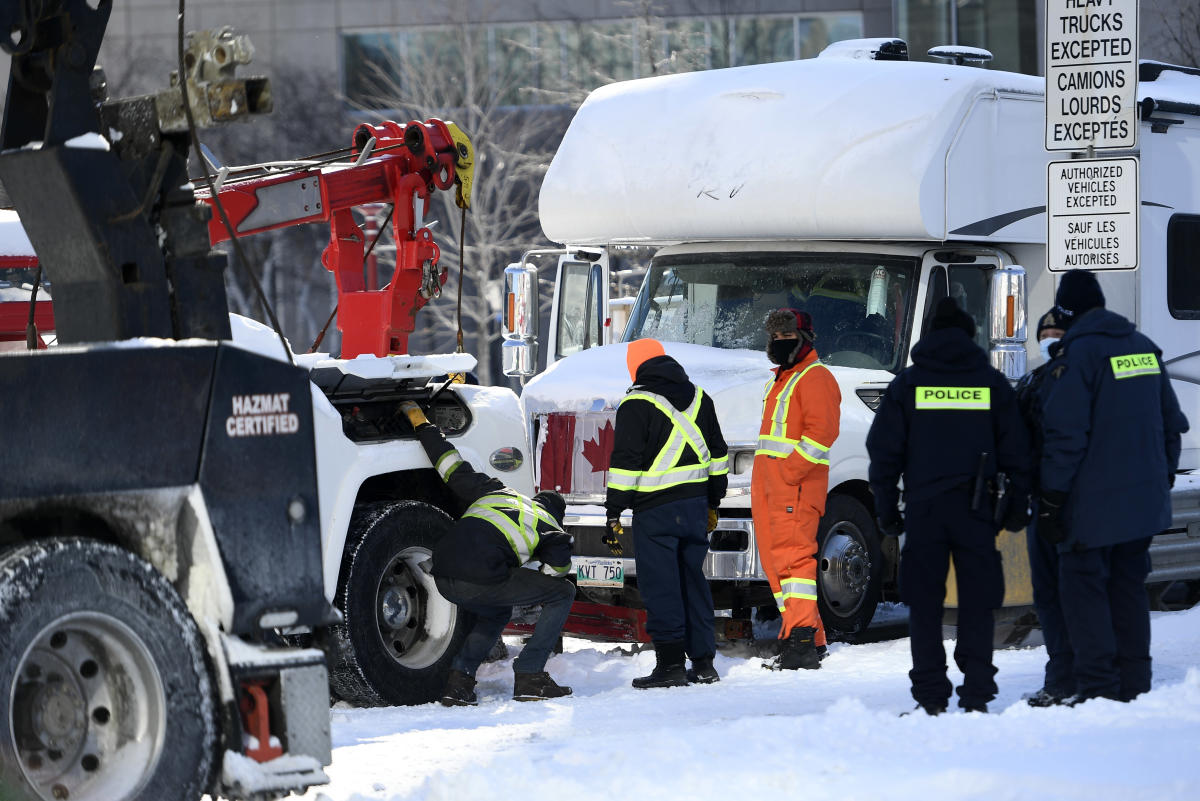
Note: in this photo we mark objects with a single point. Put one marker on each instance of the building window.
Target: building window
(1183, 266)
(1008, 28)
(538, 62)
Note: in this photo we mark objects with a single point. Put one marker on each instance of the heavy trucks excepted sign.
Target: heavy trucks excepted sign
(1092, 214)
(1091, 74)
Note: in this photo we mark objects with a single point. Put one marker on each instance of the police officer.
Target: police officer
(1059, 681)
(1112, 435)
(948, 424)
(670, 465)
(478, 565)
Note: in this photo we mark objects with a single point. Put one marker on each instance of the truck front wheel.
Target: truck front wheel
(104, 692)
(849, 566)
(399, 634)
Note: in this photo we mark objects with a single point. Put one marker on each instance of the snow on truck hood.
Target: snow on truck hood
(261, 339)
(597, 379)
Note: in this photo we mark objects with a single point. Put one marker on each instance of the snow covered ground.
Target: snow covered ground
(833, 734)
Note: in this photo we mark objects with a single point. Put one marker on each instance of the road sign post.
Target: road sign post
(1092, 209)
(1091, 74)
(1092, 205)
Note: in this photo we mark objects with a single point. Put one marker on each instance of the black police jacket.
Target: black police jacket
(938, 419)
(1112, 428)
(475, 549)
(642, 430)
(1029, 401)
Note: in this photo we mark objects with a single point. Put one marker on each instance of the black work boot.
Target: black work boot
(669, 670)
(537, 687)
(933, 710)
(702, 672)
(798, 650)
(460, 690)
(1044, 698)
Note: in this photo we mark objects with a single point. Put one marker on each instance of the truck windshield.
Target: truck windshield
(860, 304)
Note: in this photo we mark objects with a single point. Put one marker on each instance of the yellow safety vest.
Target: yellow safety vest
(665, 471)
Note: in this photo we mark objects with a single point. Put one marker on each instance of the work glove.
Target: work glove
(1049, 523)
(713, 519)
(414, 413)
(612, 535)
(891, 523)
(1018, 516)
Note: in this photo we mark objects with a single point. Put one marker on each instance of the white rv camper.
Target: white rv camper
(861, 191)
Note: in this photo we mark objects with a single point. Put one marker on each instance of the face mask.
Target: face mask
(780, 350)
(1044, 346)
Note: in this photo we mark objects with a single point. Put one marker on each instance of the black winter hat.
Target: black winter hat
(553, 503)
(1051, 319)
(949, 315)
(1078, 292)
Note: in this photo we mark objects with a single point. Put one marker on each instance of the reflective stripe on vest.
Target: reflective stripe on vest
(1134, 364)
(448, 463)
(812, 450)
(522, 534)
(776, 442)
(804, 589)
(665, 471)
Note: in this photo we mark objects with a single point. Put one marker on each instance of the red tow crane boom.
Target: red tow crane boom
(400, 164)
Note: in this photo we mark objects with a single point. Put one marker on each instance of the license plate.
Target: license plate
(598, 571)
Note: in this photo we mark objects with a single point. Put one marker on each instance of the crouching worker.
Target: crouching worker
(478, 565)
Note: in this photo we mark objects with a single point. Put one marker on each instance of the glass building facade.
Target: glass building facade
(537, 62)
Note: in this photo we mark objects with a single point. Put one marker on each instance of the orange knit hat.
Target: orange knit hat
(640, 351)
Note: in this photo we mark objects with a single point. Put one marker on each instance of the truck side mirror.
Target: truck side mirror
(519, 350)
(1007, 321)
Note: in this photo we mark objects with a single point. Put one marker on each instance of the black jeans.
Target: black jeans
(937, 529)
(670, 546)
(489, 608)
(1108, 614)
(1047, 602)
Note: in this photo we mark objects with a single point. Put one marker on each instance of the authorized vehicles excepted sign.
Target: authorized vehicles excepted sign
(1091, 74)
(1092, 214)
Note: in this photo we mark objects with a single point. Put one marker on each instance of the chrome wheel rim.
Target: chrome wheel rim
(88, 710)
(844, 569)
(415, 623)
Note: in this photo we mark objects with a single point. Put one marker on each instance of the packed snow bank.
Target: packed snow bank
(834, 733)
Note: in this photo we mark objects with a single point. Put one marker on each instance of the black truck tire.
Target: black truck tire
(399, 634)
(849, 567)
(104, 690)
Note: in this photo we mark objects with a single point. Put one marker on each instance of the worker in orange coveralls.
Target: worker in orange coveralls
(801, 412)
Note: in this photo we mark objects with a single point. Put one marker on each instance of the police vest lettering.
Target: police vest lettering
(262, 415)
(1134, 364)
(968, 398)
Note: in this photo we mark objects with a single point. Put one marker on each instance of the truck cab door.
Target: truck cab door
(991, 289)
(579, 315)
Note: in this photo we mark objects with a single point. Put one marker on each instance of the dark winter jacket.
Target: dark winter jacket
(641, 430)
(938, 417)
(1030, 403)
(1112, 429)
(475, 549)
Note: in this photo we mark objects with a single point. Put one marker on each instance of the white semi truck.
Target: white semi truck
(861, 190)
